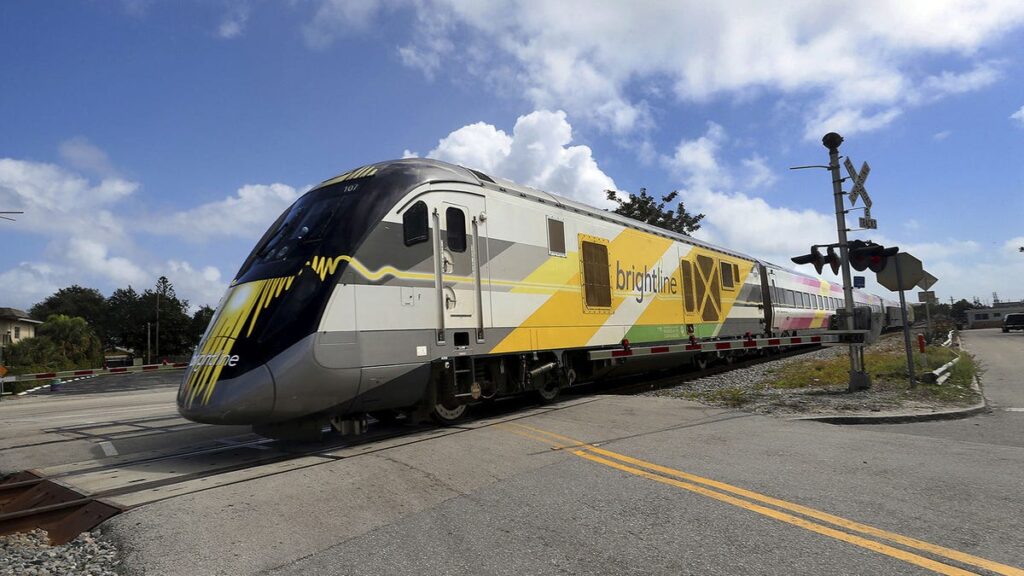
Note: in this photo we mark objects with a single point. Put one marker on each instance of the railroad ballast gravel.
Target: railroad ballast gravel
(30, 554)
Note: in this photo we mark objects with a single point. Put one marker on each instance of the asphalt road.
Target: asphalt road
(659, 486)
(98, 418)
(1001, 357)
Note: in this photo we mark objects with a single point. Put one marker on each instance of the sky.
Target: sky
(148, 138)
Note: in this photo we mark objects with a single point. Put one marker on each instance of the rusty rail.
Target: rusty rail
(28, 502)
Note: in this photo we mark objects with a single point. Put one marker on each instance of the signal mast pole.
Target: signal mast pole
(859, 379)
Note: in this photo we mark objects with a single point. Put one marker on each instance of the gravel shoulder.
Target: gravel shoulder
(30, 554)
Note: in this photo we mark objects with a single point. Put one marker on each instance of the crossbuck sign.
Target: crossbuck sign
(858, 191)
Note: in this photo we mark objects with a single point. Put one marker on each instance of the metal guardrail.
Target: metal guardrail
(941, 374)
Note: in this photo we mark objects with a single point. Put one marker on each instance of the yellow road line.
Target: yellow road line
(804, 510)
(783, 517)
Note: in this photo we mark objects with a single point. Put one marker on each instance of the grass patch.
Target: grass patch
(887, 365)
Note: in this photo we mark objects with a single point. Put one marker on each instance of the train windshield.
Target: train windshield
(299, 233)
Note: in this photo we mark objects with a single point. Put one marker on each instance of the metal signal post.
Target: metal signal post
(859, 379)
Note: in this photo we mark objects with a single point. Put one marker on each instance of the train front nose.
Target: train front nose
(247, 398)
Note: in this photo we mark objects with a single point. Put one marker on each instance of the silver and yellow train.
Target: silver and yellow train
(416, 285)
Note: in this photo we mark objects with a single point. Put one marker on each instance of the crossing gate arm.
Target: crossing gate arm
(716, 346)
(96, 372)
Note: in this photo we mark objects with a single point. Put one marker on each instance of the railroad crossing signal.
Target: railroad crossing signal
(858, 179)
(858, 191)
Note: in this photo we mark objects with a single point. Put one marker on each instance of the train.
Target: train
(419, 287)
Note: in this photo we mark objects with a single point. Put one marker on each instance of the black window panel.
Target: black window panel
(727, 275)
(597, 289)
(755, 294)
(456, 220)
(686, 272)
(736, 273)
(415, 228)
(556, 236)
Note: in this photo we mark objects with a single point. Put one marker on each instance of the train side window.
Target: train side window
(736, 273)
(597, 289)
(686, 275)
(755, 294)
(821, 303)
(556, 237)
(806, 299)
(727, 281)
(790, 298)
(456, 221)
(414, 224)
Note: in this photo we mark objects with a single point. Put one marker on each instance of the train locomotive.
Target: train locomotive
(420, 287)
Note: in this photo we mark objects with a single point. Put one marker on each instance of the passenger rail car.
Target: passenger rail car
(420, 285)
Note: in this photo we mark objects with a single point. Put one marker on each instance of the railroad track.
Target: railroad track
(649, 382)
(70, 499)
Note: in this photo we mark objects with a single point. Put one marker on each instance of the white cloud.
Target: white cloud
(61, 203)
(860, 63)
(537, 154)
(847, 121)
(759, 175)
(695, 161)
(940, 136)
(245, 214)
(233, 24)
(1018, 116)
(202, 286)
(28, 283)
(337, 17)
(84, 155)
(981, 76)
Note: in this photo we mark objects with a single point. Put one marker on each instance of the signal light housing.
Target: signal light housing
(818, 261)
(870, 256)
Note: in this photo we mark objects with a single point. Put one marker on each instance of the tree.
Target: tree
(124, 330)
(75, 300)
(959, 310)
(200, 320)
(61, 343)
(644, 208)
(167, 314)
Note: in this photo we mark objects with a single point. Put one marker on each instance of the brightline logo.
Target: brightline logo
(645, 281)
(214, 360)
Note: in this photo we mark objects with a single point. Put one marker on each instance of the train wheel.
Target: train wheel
(446, 415)
(549, 392)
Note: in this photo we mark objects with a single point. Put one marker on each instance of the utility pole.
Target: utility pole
(859, 379)
(158, 322)
(148, 356)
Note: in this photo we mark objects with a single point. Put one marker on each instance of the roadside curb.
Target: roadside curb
(907, 417)
(979, 408)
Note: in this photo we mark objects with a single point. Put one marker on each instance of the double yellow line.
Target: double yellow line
(840, 529)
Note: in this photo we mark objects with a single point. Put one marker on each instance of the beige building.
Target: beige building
(15, 326)
(992, 317)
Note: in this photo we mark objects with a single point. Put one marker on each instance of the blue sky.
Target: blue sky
(147, 137)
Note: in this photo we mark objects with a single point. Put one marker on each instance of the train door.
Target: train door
(460, 247)
(767, 297)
